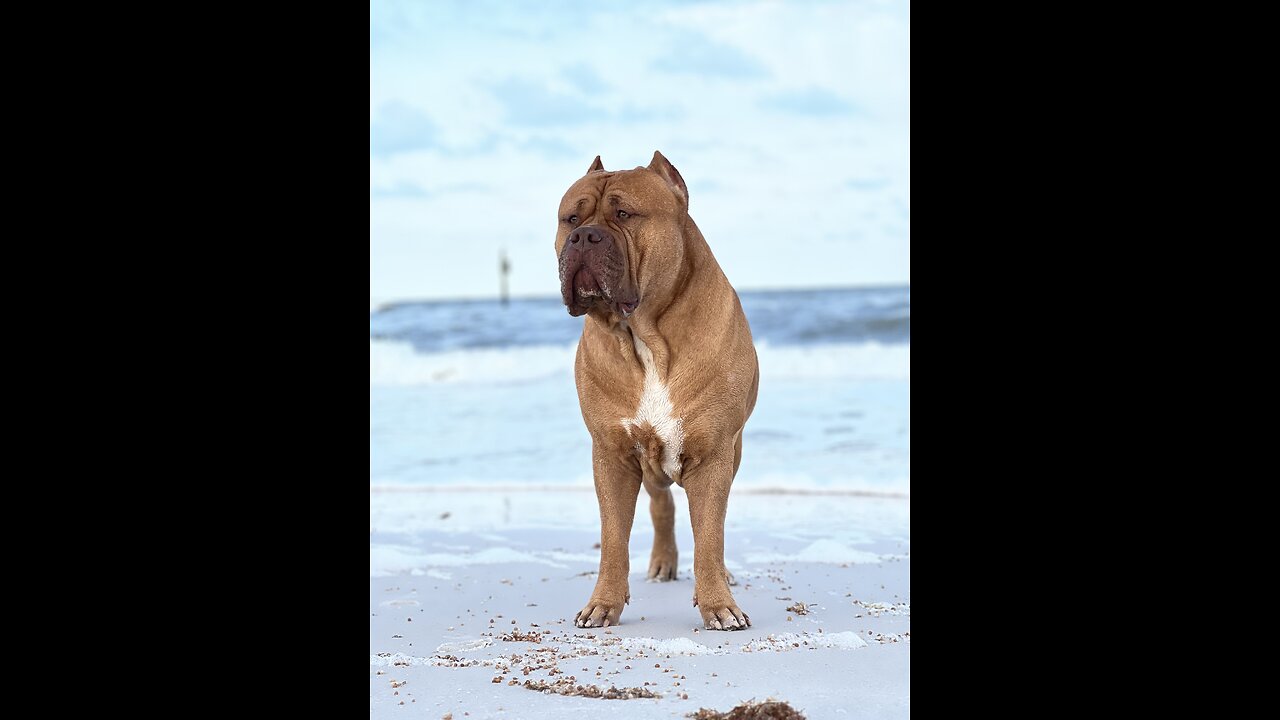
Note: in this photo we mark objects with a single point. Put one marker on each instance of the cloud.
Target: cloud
(465, 187)
(533, 103)
(903, 211)
(585, 79)
(481, 146)
(810, 101)
(401, 189)
(550, 147)
(707, 186)
(630, 113)
(406, 189)
(762, 105)
(695, 54)
(872, 183)
(399, 128)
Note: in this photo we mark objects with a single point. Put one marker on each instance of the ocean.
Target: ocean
(470, 393)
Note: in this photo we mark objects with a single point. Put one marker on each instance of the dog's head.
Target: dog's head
(619, 234)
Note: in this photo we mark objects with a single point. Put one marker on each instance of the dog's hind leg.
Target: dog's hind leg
(662, 509)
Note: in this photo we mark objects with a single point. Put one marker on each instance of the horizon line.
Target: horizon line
(380, 305)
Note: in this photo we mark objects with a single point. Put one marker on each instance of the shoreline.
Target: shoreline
(498, 488)
(472, 596)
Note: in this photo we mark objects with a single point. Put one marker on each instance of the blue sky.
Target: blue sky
(790, 123)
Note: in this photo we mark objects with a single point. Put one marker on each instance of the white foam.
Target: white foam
(847, 639)
(869, 360)
(387, 560)
(593, 558)
(876, 609)
(781, 642)
(397, 659)
(674, 646)
(393, 559)
(453, 648)
(775, 642)
(402, 602)
(396, 363)
(848, 519)
(821, 551)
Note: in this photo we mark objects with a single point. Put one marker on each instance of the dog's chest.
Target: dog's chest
(656, 411)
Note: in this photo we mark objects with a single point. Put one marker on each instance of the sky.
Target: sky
(790, 123)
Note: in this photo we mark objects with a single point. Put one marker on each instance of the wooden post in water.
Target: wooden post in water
(504, 267)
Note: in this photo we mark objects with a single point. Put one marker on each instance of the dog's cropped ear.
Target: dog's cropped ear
(668, 172)
(596, 166)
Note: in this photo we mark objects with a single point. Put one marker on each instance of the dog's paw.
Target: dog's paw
(726, 616)
(722, 613)
(662, 566)
(598, 613)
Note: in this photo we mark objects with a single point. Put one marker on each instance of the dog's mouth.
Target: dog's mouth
(597, 282)
(588, 293)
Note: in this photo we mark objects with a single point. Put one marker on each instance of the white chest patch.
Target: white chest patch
(656, 409)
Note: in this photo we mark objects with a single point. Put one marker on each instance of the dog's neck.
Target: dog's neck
(698, 281)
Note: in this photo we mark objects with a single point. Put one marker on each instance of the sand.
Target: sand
(469, 586)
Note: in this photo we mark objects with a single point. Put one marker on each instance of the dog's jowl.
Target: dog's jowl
(666, 374)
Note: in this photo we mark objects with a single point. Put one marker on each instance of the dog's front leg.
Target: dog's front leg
(708, 489)
(617, 477)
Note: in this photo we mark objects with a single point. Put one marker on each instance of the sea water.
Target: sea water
(473, 393)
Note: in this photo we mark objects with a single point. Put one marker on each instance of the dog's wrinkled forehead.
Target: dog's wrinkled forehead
(639, 188)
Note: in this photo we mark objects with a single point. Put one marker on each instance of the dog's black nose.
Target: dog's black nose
(593, 234)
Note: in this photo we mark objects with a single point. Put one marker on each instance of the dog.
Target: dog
(666, 372)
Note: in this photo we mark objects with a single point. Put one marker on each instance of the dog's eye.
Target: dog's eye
(623, 215)
(573, 220)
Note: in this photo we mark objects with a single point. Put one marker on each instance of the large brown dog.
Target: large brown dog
(666, 375)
